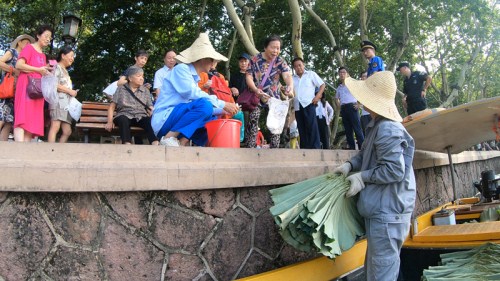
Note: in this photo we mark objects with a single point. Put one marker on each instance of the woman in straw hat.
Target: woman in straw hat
(181, 112)
(383, 175)
(8, 64)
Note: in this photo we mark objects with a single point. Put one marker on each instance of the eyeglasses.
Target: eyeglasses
(47, 36)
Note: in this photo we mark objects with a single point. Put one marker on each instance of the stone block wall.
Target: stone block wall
(222, 234)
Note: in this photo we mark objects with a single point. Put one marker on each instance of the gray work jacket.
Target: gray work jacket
(385, 161)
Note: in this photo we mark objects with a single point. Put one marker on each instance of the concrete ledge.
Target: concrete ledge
(33, 167)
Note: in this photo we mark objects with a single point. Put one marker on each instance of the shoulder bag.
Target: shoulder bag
(248, 99)
(34, 88)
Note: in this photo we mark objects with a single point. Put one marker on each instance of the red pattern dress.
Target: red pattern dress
(29, 112)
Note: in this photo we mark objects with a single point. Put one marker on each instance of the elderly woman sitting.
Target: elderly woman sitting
(181, 113)
(133, 106)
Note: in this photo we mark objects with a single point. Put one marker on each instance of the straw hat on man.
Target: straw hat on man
(183, 109)
(383, 175)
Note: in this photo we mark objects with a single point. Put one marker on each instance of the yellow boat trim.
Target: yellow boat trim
(459, 233)
(318, 269)
(468, 216)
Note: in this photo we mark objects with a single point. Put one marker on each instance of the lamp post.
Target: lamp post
(71, 24)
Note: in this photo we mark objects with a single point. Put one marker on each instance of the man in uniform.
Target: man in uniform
(415, 88)
(375, 63)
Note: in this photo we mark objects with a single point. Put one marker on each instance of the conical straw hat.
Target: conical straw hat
(377, 93)
(200, 49)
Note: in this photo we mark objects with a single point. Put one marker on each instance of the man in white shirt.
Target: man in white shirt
(160, 74)
(306, 83)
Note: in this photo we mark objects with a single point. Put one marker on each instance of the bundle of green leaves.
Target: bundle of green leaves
(480, 263)
(315, 215)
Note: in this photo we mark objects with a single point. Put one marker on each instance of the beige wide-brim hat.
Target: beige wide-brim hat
(200, 49)
(377, 93)
(20, 38)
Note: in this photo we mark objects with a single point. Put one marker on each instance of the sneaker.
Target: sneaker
(171, 141)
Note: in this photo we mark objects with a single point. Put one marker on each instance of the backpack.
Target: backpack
(220, 89)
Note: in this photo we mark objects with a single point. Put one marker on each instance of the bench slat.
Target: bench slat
(94, 112)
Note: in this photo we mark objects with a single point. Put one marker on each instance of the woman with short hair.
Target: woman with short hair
(60, 117)
(259, 65)
(133, 106)
(28, 113)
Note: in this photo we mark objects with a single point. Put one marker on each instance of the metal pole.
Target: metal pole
(452, 170)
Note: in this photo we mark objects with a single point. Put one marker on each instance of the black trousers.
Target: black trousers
(352, 124)
(124, 124)
(415, 104)
(308, 127)
(324, 133)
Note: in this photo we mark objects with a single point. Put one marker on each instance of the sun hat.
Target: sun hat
(20, 38)
(200, 49)
(377, 93)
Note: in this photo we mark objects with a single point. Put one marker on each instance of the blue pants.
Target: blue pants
(324, 132)
(308, 127)
(350, 119)
(189, 120)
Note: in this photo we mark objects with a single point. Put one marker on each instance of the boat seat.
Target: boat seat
(459, 233)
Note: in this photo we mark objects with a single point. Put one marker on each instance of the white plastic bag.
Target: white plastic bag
(49, 88)
(74, 108)
(278, 109)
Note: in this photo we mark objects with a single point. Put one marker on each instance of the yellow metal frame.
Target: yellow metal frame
(318, 269)
(424, 221)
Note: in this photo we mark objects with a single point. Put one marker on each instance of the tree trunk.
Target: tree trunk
(461, 79)
(230, 54)
(200, 23)
(391, 66)
(296, 29)
(336, 52)
(363, 19)
(245, 39)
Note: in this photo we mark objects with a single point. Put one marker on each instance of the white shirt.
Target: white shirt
(305, 88)
(325, 112)
(160, 75)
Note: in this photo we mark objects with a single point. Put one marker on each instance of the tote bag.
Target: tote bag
(7, 86)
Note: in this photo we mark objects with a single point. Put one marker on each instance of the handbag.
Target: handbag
(7, 86)
(249, 100)
(34, 88)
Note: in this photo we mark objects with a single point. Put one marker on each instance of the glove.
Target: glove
(343, 169)
(357, 184)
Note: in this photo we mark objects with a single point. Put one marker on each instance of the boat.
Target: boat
(456, 225)
(436, 132)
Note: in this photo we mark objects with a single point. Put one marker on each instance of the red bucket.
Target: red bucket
(223, 133)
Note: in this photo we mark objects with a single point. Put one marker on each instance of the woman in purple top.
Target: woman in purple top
(271, 88)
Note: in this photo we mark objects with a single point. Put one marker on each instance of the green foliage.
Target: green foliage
(443, 36)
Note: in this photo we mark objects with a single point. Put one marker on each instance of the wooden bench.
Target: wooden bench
(93, 120)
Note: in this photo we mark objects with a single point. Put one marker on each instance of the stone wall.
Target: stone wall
(220, 234)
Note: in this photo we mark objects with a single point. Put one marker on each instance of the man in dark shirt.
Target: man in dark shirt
(237, 83)
(415, 88)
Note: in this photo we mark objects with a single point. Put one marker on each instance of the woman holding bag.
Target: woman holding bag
(60, 118)
(28, 113)
(8, 64)
(266, 68)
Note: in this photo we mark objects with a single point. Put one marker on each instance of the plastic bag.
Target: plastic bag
(49, 88)
(276, 117)
(74, 108)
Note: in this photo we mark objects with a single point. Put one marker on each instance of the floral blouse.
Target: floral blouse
(258, 68)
